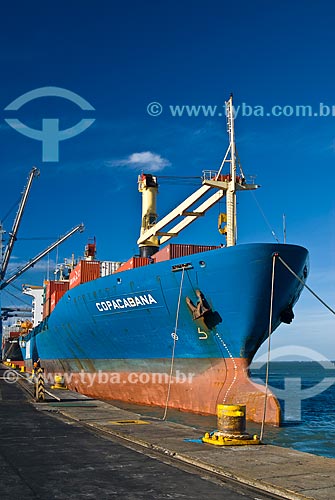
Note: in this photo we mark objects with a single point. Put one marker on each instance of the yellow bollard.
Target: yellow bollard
(231, 419)
(59, 383)
(231, 428)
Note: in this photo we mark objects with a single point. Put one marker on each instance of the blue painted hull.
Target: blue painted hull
(125, 321)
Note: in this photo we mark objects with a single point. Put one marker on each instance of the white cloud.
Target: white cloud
(150, 162)
(41, 265)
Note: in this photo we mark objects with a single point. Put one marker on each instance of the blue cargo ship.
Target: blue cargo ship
(176, 328)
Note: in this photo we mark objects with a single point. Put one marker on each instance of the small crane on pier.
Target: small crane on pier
(5, 256)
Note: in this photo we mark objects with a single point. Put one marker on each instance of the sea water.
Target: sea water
(306, 392)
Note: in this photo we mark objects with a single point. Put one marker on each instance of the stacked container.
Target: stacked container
(55, 297)
(86, 270)
(54, 290)
(108, 267)
(173, 251)
(134, 262)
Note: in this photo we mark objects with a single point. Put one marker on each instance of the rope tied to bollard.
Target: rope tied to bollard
(175, 338)
(274, 257)
(304, 284)
(269, 345)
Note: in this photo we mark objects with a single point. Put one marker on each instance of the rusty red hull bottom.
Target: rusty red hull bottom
(197, 385)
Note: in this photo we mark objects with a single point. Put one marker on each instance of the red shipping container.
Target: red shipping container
(14, 335)
(133, 263)
(163, 254)
(86, 270)
(46, 308)
(173, 251)
(125, 266)
(55, 297)
(51, 286)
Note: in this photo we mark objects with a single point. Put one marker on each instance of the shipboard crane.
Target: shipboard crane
(148, 186)
(40, 256)
(13, 234)
(153, 234)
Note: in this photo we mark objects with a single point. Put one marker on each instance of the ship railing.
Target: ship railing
(213, 175)
(209, 175)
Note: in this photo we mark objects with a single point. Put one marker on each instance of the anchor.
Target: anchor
(201, 308)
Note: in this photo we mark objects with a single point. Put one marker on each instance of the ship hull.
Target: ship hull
(133, 335)
(196, 386)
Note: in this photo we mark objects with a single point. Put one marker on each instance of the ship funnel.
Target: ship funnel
(148, 186)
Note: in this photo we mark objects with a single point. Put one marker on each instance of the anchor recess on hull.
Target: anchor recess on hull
(201, 308)
(203, 311)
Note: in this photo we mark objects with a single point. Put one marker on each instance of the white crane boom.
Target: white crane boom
(40, 256)
(227, 185)
(33, 173)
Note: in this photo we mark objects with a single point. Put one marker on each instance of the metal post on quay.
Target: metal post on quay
(39, 382)
(231, 428)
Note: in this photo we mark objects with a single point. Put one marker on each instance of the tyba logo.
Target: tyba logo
(294, 392)
(50, 135)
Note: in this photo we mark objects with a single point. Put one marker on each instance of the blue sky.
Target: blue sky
(122, 57)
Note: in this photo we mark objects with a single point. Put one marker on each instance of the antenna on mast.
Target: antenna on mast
(284, 227)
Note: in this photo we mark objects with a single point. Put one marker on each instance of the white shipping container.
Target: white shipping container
(109, 267)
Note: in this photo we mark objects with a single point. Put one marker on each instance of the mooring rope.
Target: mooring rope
(175, 338)
(306, 286)
(264, 217)
(276, 255)
(269, 346)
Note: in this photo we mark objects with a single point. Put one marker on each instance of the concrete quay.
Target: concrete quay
(279, 471)
(77, 432)
(45, 455)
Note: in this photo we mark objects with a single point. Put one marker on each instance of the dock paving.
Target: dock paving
(280, 471)
(45, 455)
(83, 464)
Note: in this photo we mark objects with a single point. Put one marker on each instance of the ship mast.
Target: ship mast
(231, 191)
